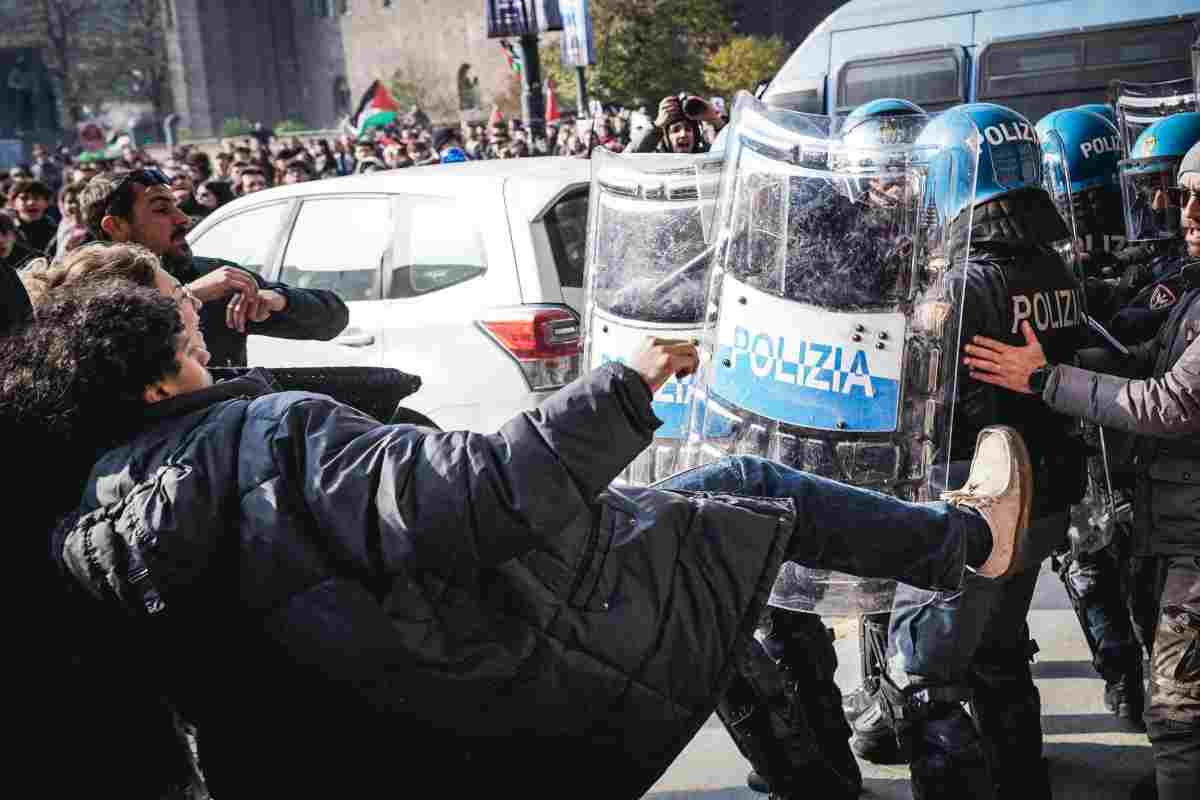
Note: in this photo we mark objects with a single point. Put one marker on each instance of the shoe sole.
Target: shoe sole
(1020, 454)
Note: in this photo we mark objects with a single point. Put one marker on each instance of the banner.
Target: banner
(577, 48)
(521, 17)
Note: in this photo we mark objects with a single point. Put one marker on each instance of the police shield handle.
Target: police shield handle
(658, 360)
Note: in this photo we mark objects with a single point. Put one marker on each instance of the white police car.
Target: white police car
(468, 275)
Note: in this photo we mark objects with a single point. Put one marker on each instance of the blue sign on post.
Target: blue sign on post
(577, 49)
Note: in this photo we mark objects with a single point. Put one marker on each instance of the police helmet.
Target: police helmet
(1103, 109)
(1009, 158)
(874, 141)
(1080, 154)
(1150, 171)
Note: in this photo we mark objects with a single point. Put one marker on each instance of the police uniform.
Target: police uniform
(975, 646)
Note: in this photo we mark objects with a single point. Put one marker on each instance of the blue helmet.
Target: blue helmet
(1103, 109)
(874, 141)
(1009, 158)
(1153, 167)
(1083, 149)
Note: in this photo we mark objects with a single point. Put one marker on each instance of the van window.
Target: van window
(340, 244)
(806, 95)
(932, 79)
(244, 239)
(566, 225)
(1037, 74)
(438, 246)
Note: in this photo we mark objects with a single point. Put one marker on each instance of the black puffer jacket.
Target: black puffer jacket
(344, 607)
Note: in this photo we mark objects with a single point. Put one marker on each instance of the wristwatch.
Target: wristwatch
(1038, 378)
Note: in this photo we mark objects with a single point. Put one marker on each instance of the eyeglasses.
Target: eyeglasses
(120, 201)
(1180, 196)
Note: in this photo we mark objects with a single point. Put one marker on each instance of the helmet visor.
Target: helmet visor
(1152, 211)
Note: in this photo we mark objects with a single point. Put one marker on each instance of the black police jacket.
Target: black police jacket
(1012, 276)
(310, 314)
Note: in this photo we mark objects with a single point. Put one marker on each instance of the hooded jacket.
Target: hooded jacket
(345, 607)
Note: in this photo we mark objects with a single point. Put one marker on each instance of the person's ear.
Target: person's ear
(162, 389)
(116, 228)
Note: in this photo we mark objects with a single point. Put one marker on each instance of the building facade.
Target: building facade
(310, 60)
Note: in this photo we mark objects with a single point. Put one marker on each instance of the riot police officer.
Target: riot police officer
(946, 650)
(1152, 287)
(1081, 152)
(1159, 406)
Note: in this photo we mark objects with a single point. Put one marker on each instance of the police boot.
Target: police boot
(872, 649)
(1008, 709)
(1125, 696)
(948, 758)
(770, 715)
(866, 709)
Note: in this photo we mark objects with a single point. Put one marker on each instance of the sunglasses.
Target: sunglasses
(1180, 196)
(121, 200)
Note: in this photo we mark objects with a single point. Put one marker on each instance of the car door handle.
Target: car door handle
(355, 340)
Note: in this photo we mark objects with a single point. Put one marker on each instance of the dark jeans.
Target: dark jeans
(934, 635)
(851, 530)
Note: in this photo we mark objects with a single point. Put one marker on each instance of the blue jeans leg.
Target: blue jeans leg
(852, 530)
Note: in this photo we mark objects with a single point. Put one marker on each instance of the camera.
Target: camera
(693, 107)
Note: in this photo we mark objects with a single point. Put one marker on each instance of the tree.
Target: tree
(71, 33)
(565, 87)
(648, 49)
(744, 61)
(141, 54)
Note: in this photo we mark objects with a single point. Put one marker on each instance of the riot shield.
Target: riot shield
(1093, 521)
(831, 343)
(1140, 105)
(647, 260)
(1151, 212)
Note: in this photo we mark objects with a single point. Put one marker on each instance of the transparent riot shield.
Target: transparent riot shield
(1151, 211)
(647, 261)
(1093, 521)
(831, 343)
(1140, 105)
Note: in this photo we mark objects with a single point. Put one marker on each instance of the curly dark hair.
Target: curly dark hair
(79, 372)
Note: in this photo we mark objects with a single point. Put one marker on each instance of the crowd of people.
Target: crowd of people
(41, 209)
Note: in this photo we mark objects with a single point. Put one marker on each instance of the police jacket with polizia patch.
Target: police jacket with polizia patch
(1013, 276)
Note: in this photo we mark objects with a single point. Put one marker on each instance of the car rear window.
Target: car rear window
(566, 225)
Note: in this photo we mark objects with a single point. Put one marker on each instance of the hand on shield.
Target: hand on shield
(657, 360)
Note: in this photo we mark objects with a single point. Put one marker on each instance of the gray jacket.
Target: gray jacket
(1153, 393)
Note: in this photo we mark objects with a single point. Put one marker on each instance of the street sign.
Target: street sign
(577, 48)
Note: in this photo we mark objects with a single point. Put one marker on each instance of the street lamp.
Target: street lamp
(523, 20)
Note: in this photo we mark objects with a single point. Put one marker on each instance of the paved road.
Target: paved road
(1091, 755)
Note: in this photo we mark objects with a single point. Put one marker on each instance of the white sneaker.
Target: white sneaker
(1000, 488)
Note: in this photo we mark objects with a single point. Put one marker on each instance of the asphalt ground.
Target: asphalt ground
(1091, 754)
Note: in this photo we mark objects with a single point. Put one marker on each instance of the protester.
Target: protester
(14, 253)
(139, 207)
(211, 195)
(28, 199)
(71, 230)
(677, 128)
(251, 180)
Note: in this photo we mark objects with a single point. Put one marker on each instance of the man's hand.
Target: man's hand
(657, 360)
(255, 307)
(221, 283)
(1004, 365)
(668, 109)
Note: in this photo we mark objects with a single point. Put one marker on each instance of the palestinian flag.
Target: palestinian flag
(511, 56)
(377, 109)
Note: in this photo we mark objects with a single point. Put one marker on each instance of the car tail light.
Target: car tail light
(543, 340)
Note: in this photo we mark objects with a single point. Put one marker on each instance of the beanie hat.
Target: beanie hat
(1191, 160)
